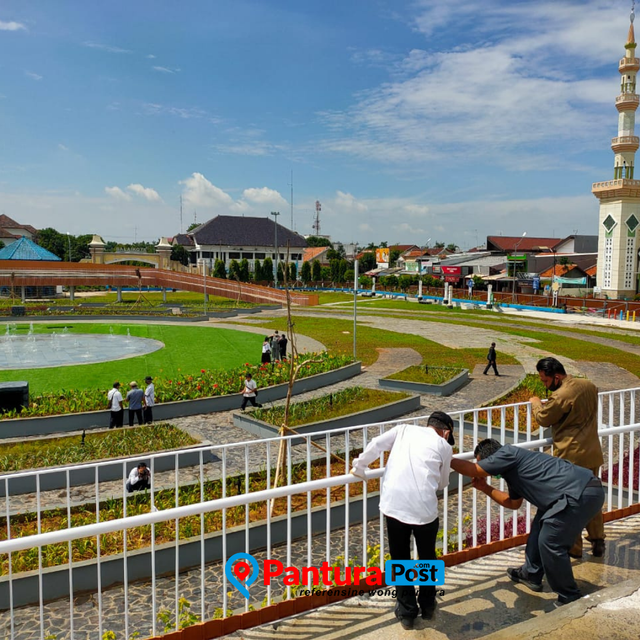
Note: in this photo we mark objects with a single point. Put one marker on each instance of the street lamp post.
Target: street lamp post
(515, 249)
(69, 240)
(275, 215)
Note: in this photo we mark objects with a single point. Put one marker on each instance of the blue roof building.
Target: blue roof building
(25, 249)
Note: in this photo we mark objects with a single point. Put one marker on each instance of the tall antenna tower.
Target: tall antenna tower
(316, 222)
(292, 228)
(180, 213)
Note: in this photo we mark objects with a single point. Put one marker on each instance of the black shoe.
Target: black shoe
(429, 610)
(484, 373)
(562, 600)
(407, 623)
(517, 576)
(597, 548)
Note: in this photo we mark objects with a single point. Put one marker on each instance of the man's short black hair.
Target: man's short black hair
(493, 344)
(116, 385)
(486, 448)
(142, 464)
(248, 375)
(551, 367)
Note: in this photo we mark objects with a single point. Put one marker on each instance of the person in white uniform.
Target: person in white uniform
(418, 467)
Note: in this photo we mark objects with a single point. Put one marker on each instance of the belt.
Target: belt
(594, 482)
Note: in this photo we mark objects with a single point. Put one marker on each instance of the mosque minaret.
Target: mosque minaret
(620, 197)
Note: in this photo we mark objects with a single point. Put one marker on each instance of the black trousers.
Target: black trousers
(147, 414)
(135, 413)
(552, 534)
(141, 485)
(250, 399)
(116, 419)
(492, 363)
(399, 535)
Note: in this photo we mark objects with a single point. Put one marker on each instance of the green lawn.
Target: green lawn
(337, 335)
(187, 350)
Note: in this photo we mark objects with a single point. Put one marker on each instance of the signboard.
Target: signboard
(382, 255)
(437, 268)
(536, 283)
(451, 278)
(470, 284)
(452, 271)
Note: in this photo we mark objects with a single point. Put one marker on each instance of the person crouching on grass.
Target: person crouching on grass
(418, 467)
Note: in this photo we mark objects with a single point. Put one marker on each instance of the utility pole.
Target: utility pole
(355, 304)
(275, 215)
(180, 213)
(292, 228)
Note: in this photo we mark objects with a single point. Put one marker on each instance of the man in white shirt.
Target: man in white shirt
(418, 467)
(249, 392)
(149, 400)
(139, 478)
(115, 406)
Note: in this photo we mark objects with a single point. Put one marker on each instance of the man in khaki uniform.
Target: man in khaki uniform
(572, 414)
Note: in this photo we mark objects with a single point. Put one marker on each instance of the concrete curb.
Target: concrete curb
(379, 414)
(543, 626)
(444, 389)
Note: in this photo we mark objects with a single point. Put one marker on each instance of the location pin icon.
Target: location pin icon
(244, 573)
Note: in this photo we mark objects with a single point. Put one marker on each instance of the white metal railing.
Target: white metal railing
(305, 532)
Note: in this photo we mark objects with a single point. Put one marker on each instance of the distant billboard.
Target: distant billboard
(382, 255)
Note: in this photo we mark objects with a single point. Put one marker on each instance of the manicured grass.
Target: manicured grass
(430, 375)
(326, 297)
(186, 350)
(50, 452)
(334, 405)
(337, 335)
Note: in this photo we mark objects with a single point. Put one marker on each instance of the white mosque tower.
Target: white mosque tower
(620, 197)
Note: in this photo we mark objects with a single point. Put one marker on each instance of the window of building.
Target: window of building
(260, 256)
(234, 255)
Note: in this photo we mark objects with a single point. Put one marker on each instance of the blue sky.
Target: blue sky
(409, 121)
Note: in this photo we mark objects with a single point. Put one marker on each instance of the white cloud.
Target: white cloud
(347, 202)
(202, 195)
(105, 47)
(186, 113)
(33, 76)
(117, 193)
(144, 192)
(62, 147)
(12, 26)
(264, 195)
(166, 70)
(198, 192)
(520, 77)
(151, 56)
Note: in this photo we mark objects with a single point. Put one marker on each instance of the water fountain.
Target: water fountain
(34, 350)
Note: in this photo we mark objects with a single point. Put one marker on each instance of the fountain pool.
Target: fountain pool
(57, 349)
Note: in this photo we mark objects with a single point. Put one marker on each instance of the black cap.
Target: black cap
(442, 420)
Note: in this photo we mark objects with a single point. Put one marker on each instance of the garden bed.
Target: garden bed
(128, 446)
(211, 391)
(439, 381)
(346, 408)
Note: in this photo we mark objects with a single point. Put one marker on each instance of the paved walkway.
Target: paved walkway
(481, 600)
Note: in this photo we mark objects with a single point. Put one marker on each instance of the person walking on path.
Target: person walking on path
(149, 400)
(491, 357)
(266, 351)
(567, 497)
(115, 406)
(418, 467)
(249, 392)
(572, 414)
(135, 398)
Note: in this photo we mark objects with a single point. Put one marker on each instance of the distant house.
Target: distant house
(10, 230)
(230, 238)
(310, 254)
(526, 244)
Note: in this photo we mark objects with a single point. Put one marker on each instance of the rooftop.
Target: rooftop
(25, 249)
